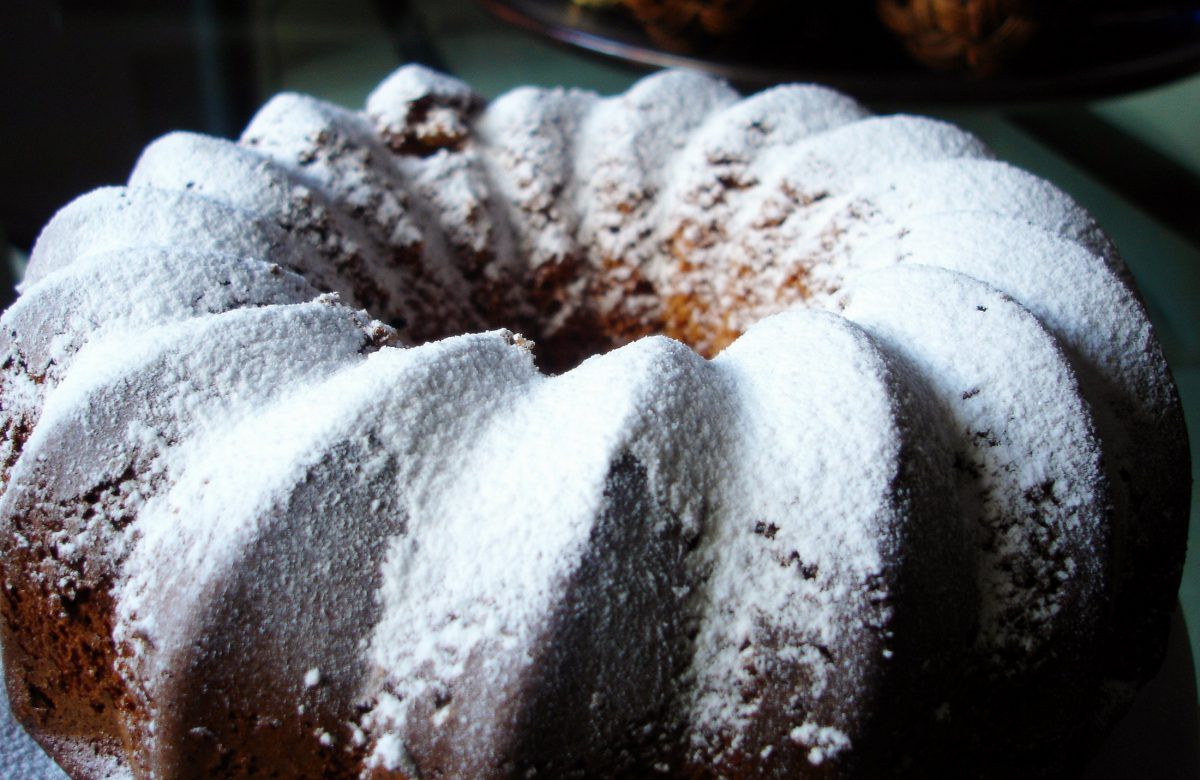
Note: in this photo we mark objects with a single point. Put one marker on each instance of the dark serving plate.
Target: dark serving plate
(1095, 57)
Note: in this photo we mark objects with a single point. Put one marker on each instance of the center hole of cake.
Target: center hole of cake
(573, 310)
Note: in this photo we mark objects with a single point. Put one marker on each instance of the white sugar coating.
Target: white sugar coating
(792, 175)
(348, 257)
(530, 136)
(882, 200)
(457, 189)
(622, 157)
(232, 174)
(797, 233)
(464, 631)
(1032, 478)
(830, 162)
(337, 152)
(113, 218)
(334, 150)
(806, 565)
(776, 117)
(175, 370)
(1085, 304)
(1105, 332)
(776, 215)
(825, 234)
(119, 291)
(133, 289)
(256, 510)
(910, 191)
(417, 101)
(448, 173)
(827, 742)
(389, 100)
(221, 170)
(113, 432)
(1096, 317)
(717, 163)
(721, 156)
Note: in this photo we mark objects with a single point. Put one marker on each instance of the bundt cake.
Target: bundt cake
(832, 447)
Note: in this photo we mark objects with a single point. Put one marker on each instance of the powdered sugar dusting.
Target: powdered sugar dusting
(418, 109)
(110, 433)
(133, 289)
(338, 153)
(827, 743)
(1027, 454)
(755, 231)
(623, 155)
(345, 257)
(1103, 329)
(458, 651)
(110, 293)
(237, 513)
(803, 567)
(530, 135)
(114, 218)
